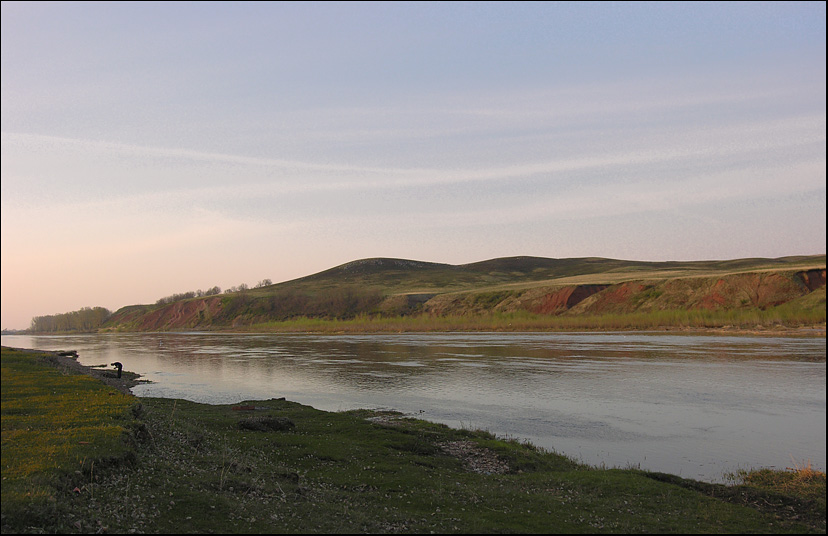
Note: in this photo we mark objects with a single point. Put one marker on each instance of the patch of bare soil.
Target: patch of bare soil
(476, 458)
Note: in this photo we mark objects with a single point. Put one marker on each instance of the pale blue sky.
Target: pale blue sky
(154, 148)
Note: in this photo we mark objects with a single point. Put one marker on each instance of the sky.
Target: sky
(157, 148)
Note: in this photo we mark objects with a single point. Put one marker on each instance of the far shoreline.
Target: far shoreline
(342, 328)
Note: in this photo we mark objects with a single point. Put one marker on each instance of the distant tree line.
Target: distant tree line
(240, 288)
(209, 292)
(85, 319)
(187, 295)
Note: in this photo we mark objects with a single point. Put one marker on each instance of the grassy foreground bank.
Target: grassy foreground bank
(80, 456)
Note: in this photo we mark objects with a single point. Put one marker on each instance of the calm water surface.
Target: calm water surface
(694, 405)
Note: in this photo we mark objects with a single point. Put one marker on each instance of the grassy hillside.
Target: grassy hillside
(383, 288)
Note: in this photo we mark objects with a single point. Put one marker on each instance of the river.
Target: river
(699, 406)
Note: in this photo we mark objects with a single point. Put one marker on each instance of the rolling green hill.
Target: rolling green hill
(379, 289)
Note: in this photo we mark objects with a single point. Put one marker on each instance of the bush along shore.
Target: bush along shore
(81, 455)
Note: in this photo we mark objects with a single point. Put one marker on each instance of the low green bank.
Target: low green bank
(276, 466)
(782, 317)
(55, 427)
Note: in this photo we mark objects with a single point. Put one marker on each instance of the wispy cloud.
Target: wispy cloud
(259, 175)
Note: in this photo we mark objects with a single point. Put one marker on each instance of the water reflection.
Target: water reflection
(693, 405)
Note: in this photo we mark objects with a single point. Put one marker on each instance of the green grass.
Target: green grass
(55, 428)
(784, 316)
(195, 469)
